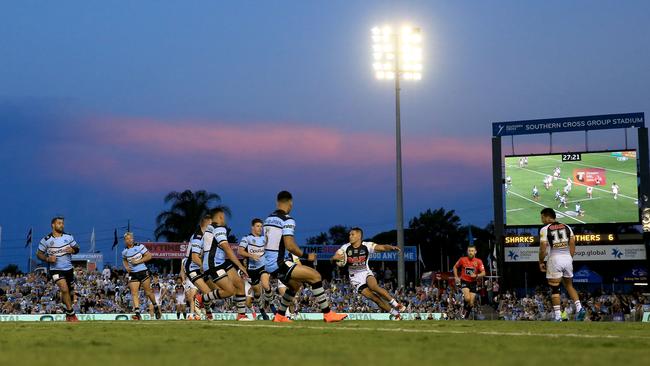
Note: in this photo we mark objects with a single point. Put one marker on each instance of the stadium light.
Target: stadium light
(397, 54)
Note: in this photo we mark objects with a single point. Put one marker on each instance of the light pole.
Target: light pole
(397, 53)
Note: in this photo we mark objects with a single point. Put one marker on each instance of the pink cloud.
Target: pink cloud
(146, 154)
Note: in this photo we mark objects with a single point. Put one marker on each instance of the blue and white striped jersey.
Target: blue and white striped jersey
(195, 246)
(254, 245)
(276, 227)
(213, 255)
(57, 246)
(136, 252)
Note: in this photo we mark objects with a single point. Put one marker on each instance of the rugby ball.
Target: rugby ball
(342, 262)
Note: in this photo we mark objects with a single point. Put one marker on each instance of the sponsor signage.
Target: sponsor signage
(584, 123)
(325, 252)
(217, 316)
(583, 253)
(166, 250)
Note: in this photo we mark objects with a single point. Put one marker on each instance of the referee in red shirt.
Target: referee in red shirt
(470, 268)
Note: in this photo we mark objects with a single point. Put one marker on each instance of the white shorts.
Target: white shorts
(189, 285)
(157, 297)
(281, 285)
(359, 279)
(248, 289)
(180, 300)
(559, 266)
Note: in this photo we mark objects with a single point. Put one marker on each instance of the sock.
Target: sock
(184, 315)
(578, 306)
(268, 296)
(321, 298)
(156, 309)
(241, 304)
(258, 300)
(558, 312)
(178, 315)
(69, 312)
(393, 303)
(285, 301)
(213, 295)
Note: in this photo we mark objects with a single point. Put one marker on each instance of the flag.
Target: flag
(28, 242)
(420, 257)
(92, 241)
(114, 239)
(470, 236)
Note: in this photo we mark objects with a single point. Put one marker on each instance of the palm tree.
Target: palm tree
(179, 222)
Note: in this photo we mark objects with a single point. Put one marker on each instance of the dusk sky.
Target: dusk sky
(105, 107)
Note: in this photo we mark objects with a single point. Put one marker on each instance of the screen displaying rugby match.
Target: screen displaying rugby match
(583, 188)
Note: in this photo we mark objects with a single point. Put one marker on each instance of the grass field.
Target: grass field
(313, 343)
(521, 209)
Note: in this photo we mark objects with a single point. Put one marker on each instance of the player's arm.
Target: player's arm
(231, 255)
(40, 253)
(543, 242)
(241, 250)
(386, 248)
(337, 256)
(481, 269)
(572, 242)
(182, 274)
(291, 246)
(196, 258)
(73, 247)
(126, 265)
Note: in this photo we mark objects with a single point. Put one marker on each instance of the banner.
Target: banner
(217, 316)
(166, 250)
(325, 252)
(600, 122)
(583, 253)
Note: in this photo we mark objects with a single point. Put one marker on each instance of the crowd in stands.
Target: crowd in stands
(107, 292)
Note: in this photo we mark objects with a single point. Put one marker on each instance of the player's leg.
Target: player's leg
(468, 300)
(190, 293)
(554, 284)
(567, 281)
(64, 290)
(304, 274)
(134, 286)
(240, 292)
(371, 281)
(180, 309)
(369, 294)
(267, 296)
(146, 285)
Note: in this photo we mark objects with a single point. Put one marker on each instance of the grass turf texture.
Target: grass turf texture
(602, 208)
(314, 343)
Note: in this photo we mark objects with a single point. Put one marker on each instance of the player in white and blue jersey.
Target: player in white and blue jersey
(251, 247)
(279, 230)
(220, 265)
(134, 257)
(56, 248)
(193, 265)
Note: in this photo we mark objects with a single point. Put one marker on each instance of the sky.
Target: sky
(105, 107)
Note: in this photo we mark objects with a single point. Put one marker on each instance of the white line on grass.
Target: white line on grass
(515, 209)
(436, 331)
(537, 203)
(589, 166)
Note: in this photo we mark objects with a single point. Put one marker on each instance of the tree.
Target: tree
(187, 208)
(11, 269)
(438, 234)
(337, 234)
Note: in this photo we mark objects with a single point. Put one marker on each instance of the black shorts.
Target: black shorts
(470, 285)
(194, 275)
(218, 272)
(67, 275)
(255, 275)
(139, 276)
(283, 273)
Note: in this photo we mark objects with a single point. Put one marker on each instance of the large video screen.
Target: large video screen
(583, 188)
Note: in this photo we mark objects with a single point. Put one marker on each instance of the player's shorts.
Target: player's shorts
(559, 266)
(194, 276)
(469, 285)
(139, 276)
(67, 275)
(189, 285)
(255, 275)
(283, 273)
(281, 285)
(157, 297)
(217, 273)
(180, 299)
(359, 280)
(248, 289)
